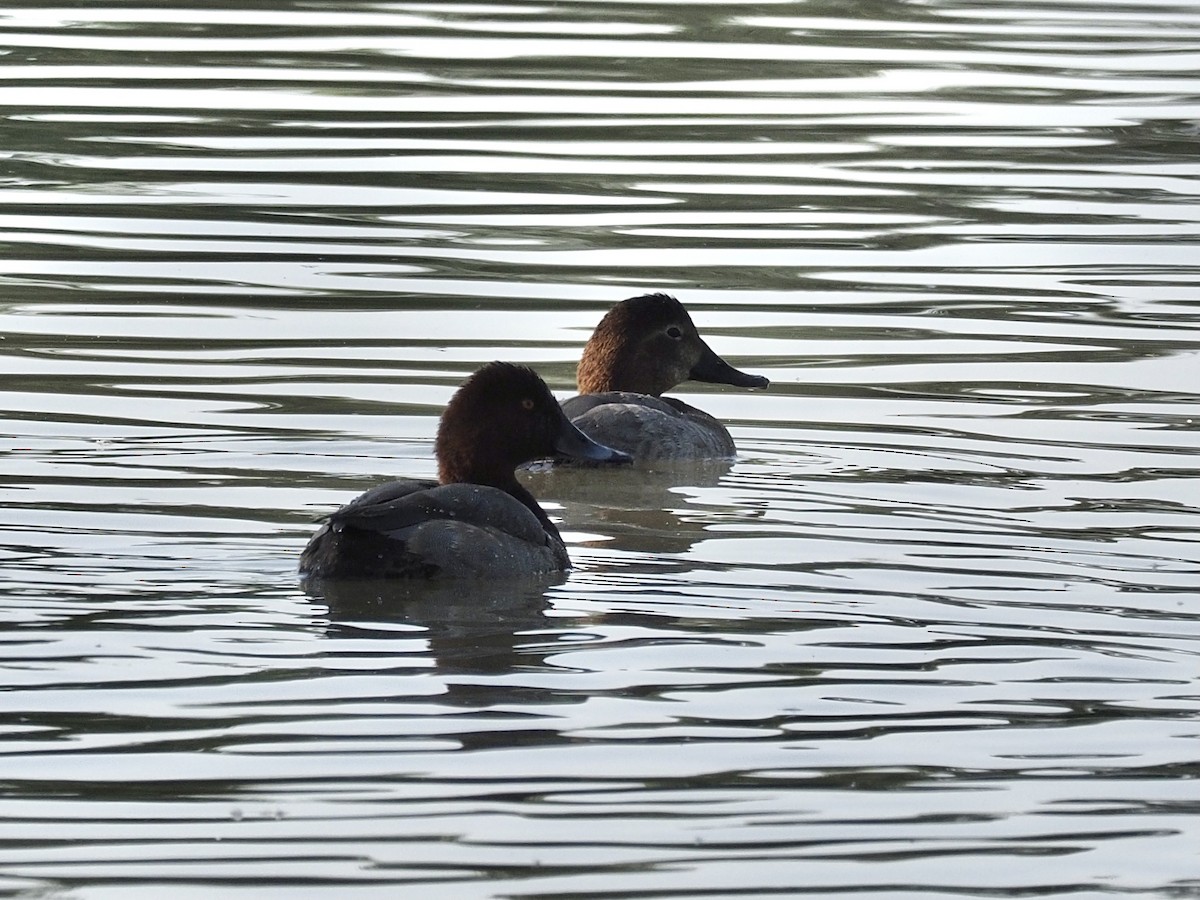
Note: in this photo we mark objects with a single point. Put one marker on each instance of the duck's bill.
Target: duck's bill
(573, 442)
(713, 369)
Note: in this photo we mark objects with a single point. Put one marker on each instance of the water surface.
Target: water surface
(933, 632)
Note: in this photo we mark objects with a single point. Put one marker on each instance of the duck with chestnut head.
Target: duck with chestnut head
(643, 347)
(477, 520)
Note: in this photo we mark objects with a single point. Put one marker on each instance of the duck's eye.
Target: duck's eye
(527, 405)
(674, 333)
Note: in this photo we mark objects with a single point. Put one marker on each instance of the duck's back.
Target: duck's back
(420, 529)
(649, 428)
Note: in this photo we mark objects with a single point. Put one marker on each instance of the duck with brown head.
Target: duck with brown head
(477, 521)
(643, 347)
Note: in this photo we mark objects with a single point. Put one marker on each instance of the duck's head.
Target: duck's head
(502, 416)
(648, 345)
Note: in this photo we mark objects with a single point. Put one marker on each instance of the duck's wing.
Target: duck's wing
(576, 406)
(413, 529)
(379, 497)
(650, 428)
(393, 508)
(388, 507)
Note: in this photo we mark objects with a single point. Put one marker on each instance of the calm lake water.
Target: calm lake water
(934, 633)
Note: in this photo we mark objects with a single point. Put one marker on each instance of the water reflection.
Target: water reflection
(471, 627)
(641, 507)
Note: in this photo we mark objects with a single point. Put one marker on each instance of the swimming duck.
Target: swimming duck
(476, 521)
(642, 347)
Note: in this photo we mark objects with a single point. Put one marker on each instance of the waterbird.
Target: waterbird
(477, 520)
(645, 346)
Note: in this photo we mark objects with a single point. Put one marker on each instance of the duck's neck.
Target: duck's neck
(611, 365)
(604, 372)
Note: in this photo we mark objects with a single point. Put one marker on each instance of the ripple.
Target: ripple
(937, 614)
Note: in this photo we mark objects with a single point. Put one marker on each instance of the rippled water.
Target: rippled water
(935, 632)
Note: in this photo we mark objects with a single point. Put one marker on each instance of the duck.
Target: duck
(645, 346)
(476, 520)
